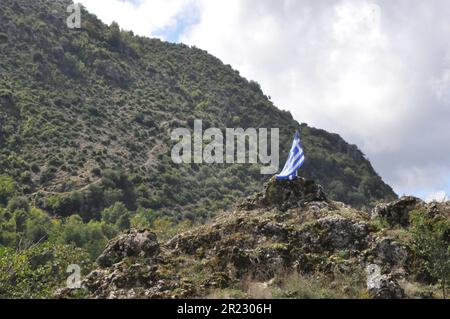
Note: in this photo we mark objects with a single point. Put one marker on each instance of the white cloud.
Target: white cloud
(323, 63)
(376, 72)
(143, 17)
(439, 196)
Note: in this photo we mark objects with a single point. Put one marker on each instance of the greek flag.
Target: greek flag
(294, 162)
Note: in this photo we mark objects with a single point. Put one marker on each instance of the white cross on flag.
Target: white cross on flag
(294, 162)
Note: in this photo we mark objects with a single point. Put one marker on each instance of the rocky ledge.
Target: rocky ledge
(289, 228)
(285, 195)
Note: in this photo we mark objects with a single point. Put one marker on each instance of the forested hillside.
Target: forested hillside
(77, 103)
(85, 123)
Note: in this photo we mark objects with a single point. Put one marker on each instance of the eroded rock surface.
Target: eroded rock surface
(285, 195)
(290, 227)
(389, 252)
(397, 212)
(131, 244)
(382, 286)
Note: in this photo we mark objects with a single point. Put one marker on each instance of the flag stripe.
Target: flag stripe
(295, 160)
(291, 164)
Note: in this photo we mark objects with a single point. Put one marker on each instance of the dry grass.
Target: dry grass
(318, 286)
(414, 290)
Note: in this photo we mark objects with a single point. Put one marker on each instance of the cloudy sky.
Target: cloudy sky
(376, 72)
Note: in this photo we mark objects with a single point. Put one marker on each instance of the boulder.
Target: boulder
(119, 279)
(397, 213)
(388, 251)
(261, 243)
(134, 243)
(333, 233)
(382, 286)
(343, 233)
(275, 231)
(285, 195)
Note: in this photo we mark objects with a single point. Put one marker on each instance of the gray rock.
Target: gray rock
(381, 286)
(397, 212)
(285, 195)
(134, 243)
(343, 233)
(273, 230)
(333, 233)
(388, 251)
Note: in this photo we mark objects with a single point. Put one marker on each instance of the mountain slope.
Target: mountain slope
(76, 104)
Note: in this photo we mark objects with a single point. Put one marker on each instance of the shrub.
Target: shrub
(38, 227)
(38, 271)
(317, 286)
(64, 204)
(112, 214)
(18, 203)
(8, 188)
(431, 243)
(3, 37)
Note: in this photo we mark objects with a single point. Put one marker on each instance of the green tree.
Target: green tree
(431, 243)
(38, 227)
(118, 215)
(17, 203)
(143, 218)
(88, 236)
(7, 188)
(74, 231)
(36, 272)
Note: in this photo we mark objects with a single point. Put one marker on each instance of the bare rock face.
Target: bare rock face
(285, 195)
(122, 280)
(333, 233)
(388, 251)
(343, 233)
(382, 286)
(290, 227)
(134, 243)
(397, 212)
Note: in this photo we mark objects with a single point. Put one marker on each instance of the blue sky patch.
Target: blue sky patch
(183, 21)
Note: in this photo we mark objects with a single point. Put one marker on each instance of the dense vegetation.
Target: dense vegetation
(431, 237)
(85, 121)
(36, 249)
(75, 103)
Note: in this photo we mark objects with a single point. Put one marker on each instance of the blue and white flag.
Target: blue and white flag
(295, 161)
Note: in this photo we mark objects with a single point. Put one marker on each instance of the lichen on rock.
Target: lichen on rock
(134, 243)
(397, 212)
(285, 195)
(289, 228)
(382, 286)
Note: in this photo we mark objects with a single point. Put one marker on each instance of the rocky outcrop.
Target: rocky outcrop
(122, 280)
(285, 195)
(381, 286)
(289, 227)
(397, 212)
(331, 234)
(389, 252)
(131, 244)
(344, 233)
